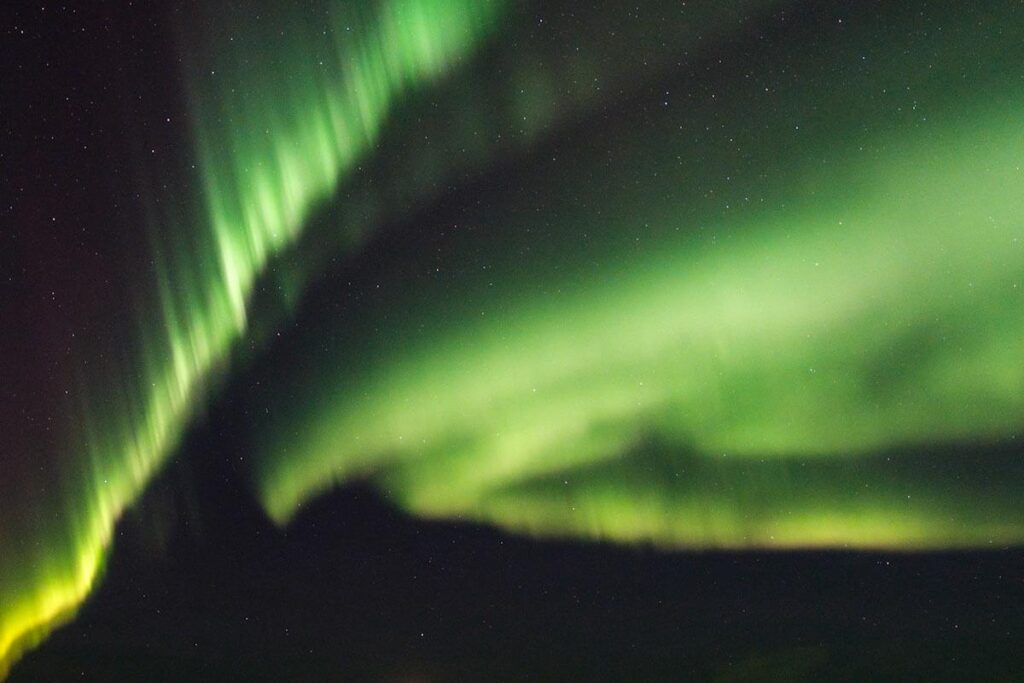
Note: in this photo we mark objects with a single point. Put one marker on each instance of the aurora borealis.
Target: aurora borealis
(740, 276)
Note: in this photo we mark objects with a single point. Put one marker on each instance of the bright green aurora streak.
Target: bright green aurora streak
(262, 175)
(765, 306)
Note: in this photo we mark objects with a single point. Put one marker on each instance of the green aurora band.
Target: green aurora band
(756, 310)
(768, 332)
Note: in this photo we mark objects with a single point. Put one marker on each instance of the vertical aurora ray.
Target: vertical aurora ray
(273, 141)
(266, 164)
(765, 297)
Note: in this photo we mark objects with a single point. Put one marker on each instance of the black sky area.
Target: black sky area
(200, 586)
(91, 99)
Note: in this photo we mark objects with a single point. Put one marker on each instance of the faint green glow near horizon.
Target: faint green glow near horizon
(265, 164)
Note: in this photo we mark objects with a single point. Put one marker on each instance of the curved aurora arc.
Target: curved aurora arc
(674, 392)
(365, 59)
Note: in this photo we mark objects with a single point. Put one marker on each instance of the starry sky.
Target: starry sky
(737, 277)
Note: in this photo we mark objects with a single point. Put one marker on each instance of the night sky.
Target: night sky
(498, 340)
